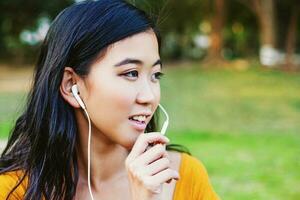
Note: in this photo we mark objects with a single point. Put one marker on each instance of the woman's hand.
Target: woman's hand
(149, 168)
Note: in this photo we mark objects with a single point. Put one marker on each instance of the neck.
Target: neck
(107, 157)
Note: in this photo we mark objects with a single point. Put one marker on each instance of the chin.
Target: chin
(128, 139)
(128, 146)
(129, 142)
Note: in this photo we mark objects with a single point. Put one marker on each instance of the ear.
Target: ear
(69, 78)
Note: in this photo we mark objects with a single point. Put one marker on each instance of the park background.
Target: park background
(231, 84)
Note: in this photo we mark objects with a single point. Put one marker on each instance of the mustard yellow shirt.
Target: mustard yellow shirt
(193, 183)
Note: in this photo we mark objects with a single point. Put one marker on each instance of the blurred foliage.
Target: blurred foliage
(17, 15)
(179, 21)
(241, 33)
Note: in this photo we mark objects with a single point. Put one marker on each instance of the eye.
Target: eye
(131, 74)
(158, 75)
(134, 74)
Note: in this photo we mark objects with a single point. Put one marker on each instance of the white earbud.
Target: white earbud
(166, 123)
(77, 97)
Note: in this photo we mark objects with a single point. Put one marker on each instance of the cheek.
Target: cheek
(123, 97)
(112, 100)
(110, 110)
(157, 93)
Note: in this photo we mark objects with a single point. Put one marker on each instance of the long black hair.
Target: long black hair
(42, 141)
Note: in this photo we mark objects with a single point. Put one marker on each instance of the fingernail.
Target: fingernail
(177, 175)
(168, 140)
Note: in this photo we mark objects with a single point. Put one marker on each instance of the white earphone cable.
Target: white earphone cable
(89, 155)
(166, 123)
(89, 145)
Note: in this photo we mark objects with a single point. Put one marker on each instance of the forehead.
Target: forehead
(143, 46)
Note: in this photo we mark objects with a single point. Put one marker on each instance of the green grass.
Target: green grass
(243, 125)
(229, 101)
(248, 166)
(11, 105)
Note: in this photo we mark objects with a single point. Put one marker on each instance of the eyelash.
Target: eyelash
(158, 74)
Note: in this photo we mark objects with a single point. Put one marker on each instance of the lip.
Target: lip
(139, 126)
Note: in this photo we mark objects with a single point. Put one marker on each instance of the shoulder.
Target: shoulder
(8, 181)
(185, 163)
(194, 180)
(175, 159)
(193, 164)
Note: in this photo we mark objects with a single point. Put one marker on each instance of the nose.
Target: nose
(148, 93)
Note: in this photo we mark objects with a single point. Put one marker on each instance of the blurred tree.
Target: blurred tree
(218, 24)
(17, 15)
(277, 22)
(290, 42)
(264, 10)
(236, 28)
(241, 34)
(177, 20)
(265, 13)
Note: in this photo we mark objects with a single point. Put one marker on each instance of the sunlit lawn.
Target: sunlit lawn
(248, 166)
(243, 125)
(11, 103)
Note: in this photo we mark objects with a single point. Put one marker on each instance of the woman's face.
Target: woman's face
(124, 83)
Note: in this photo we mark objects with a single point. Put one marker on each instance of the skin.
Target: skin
(122, 166)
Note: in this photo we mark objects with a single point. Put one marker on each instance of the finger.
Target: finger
(143, 141)
(153, 144)
(151, 155)
(157, 166)
(169, 181)
(164, 176)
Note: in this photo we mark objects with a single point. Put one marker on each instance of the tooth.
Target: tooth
(140, 118)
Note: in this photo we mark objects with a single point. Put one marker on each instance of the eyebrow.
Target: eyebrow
(135, 61)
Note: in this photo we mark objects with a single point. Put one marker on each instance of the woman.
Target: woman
(110, 50)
